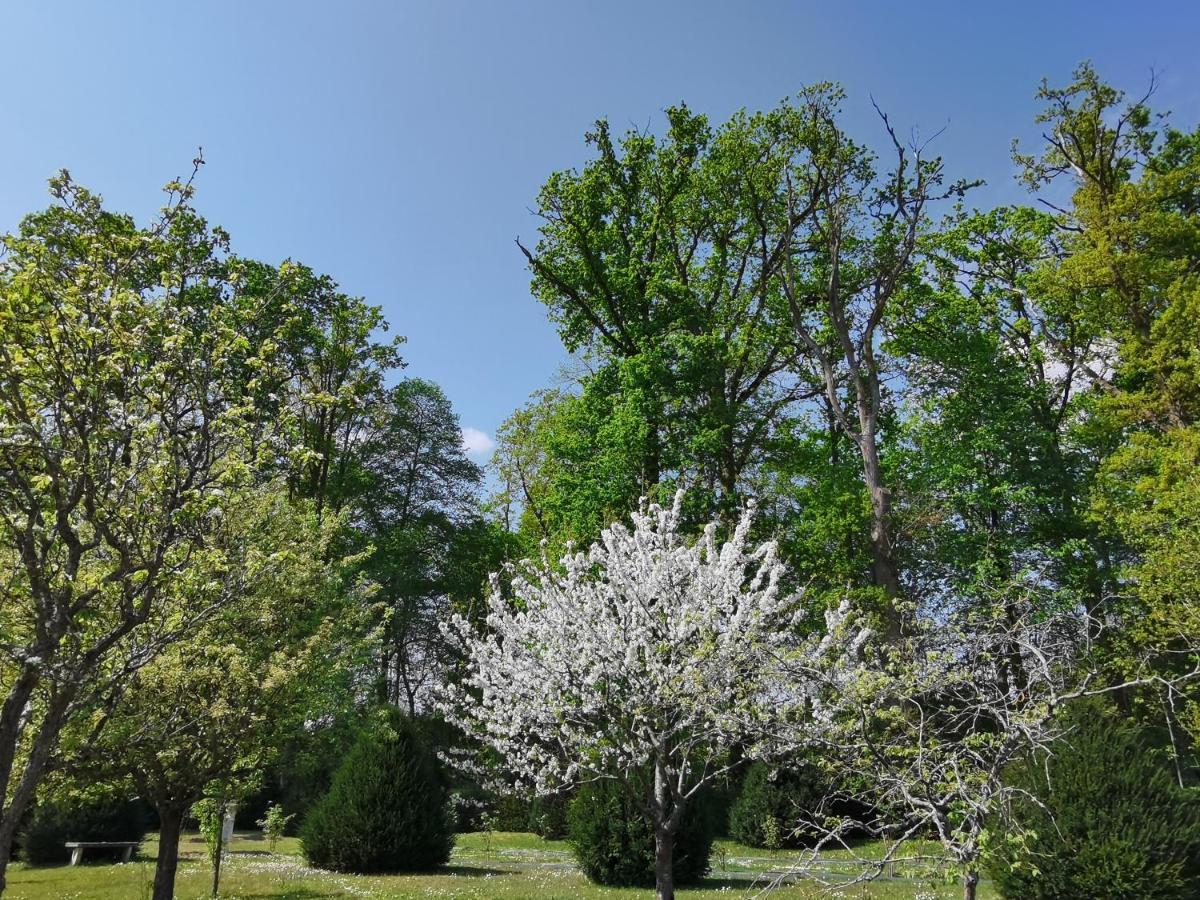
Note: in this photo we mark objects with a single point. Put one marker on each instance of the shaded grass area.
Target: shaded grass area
(503, 865)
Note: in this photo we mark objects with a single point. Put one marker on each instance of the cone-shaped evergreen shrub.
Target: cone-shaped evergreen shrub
(613, 839)
(771, 803)
(386, 810)
(1116, 824)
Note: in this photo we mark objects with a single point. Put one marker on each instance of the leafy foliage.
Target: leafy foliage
(386, 810)
(612, 837)
(1104, 818)
(44, 835)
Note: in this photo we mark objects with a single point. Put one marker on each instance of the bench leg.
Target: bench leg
(76, 855)
(127, 854)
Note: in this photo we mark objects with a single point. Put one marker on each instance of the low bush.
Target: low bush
(48, 828)
(548, 816)
(386, 810)
(1109, 821)
(771, 804)
(613, 838)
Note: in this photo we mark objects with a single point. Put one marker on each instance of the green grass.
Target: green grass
(502, 865)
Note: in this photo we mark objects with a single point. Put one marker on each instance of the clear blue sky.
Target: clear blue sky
(398, 145)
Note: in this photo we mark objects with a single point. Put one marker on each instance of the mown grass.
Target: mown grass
(502, 865)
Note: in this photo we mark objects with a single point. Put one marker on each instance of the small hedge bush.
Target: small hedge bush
(771, 804)
(509, 813)
(1116, 823)
(613, 840)
(548, 816)
(49, 827)
(386, 810)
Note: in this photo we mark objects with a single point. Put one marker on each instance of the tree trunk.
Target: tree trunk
(885, 572)
(171, 819)
(220, 851)
(11, 726)
(664, 863)
(7, 831)
(12, 723)
(20, 796)
(970, 882)
(668, 813)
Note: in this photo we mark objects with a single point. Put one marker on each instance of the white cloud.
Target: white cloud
(476, 442)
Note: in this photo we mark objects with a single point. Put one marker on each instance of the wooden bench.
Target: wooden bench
(77, 847)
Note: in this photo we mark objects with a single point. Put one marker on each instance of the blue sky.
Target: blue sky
(398, 146)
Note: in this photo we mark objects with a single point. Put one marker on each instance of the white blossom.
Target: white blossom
(642, 657)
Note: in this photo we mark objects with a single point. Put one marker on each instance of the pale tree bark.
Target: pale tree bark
(861, 242)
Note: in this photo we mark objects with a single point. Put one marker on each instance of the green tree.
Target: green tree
(854, 249)
(1128, 263)
(992, 459)
(127, 386)
(208, 713)
(419, 509)
(658, 261)
(336, 367)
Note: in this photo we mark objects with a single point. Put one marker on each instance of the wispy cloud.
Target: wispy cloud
(476, 442)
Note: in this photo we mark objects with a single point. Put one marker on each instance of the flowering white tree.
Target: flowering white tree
(933, 719)
(642, 659)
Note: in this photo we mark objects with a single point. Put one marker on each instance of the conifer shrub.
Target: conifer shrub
(386, 810)
(772, 803)
(44, 836)
(548, 816)
(613, 839)
(1112, 821)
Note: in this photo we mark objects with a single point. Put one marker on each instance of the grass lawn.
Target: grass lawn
(508, 866)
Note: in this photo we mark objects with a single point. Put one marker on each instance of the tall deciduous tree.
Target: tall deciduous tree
(852, 250)
(1127, 265)
(126, 409)
(658, 260)
(418, 507)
